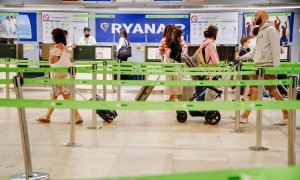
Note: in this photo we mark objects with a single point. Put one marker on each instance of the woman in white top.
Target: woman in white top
(123, 41)
(57, 55)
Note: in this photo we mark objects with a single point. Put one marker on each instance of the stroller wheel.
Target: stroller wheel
(181, 116)
(212, 117)
(115, 114)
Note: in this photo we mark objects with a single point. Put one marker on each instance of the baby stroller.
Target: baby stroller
(211, 117)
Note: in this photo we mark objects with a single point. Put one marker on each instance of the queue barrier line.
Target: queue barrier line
(153, 105)
(119, 71)
(269, 70)
(153, 82)
(160, 71)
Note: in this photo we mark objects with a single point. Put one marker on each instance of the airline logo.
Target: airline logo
(136, 28)
(104, 26)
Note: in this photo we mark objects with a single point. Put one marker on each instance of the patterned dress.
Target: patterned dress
(59, 89)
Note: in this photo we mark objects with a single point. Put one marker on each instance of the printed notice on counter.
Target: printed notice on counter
(153, 53)
(103, 53)
(227, 24)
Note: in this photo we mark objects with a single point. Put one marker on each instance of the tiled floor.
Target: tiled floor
(137, 143)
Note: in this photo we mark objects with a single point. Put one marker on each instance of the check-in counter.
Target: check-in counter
(14, 51)
(93, 53)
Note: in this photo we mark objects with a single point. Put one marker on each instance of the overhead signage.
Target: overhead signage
(140, 27)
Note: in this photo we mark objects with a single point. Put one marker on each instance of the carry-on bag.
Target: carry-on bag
(144, 92)
(106, 115)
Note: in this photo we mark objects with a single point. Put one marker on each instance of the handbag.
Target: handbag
(64, 61)
(124, 52)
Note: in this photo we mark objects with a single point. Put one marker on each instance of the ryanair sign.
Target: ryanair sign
(140, 27)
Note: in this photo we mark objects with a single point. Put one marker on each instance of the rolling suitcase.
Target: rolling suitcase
(106, 115)
(144, 92)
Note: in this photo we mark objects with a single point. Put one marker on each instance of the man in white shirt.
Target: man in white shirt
(87, 39)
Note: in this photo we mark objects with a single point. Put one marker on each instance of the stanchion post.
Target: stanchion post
(18, 82)
(292, 124)
(72, 71)
(7, 77)
(94, 90)
(119, 78)
(237, 98)
(258, 147)
(104, 78)
(225, 93)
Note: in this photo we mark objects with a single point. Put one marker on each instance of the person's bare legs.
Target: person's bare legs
(46, 118)
(253, 97)
(278, 97)
(50, 110)
(78, 117)
(246, 93)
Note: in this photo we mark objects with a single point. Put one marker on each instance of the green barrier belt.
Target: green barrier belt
(276, 70)
(154, 82)
(4, 81)
(176, 68)
(279, 71)
(153, 105)
(282, 64)
(87, 70)
(285, 173)
(34, 70)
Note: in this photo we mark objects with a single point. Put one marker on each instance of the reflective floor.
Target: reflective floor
(137, 143)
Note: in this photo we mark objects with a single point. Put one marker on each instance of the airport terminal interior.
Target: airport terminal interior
(150, 89)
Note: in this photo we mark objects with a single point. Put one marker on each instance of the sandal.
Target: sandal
(43, 119)
(78, 120)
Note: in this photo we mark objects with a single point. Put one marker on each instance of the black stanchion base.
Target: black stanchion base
(35, 176)
(256, 148)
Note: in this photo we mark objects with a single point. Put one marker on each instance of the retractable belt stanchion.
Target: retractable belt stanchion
(94, 89)
(258, 147)
(225, 93)
(18, 82)
(72, 71)
(119, 84)
(104, 78)
(237, 98)
(292, 124)
(7, 77)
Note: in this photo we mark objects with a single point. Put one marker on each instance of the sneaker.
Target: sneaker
(281, 122)
(242, 120)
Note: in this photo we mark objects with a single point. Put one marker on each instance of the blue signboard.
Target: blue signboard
(22, 25)
(140, 27)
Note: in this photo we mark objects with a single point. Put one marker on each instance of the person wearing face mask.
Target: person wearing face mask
(87, 39)
(265, 54)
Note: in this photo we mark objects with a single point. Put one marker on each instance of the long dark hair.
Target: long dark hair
(165, 30)
(211, 32)
(177, 34)
(169, 34)
(123, 34)
(59, 36)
